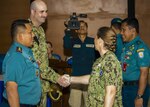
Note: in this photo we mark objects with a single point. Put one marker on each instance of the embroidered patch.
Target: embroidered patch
(101, 73)
(77, 46)
(139, 50)
(90, 45)
(129, 53)
(141, 55)
(131, 47)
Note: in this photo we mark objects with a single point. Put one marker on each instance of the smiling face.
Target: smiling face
(83, 29)
(127, 32)
(39, 12)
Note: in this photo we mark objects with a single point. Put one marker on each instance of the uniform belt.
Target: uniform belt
(21, 105)
(131, 83)
(27, 105)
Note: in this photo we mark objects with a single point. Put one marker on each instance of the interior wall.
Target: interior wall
(55, 31)
(96, 18)
(101, 15)
(10, 10)
(99, 12)
(143, 15)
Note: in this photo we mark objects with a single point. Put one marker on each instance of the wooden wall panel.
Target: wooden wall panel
(55, 28)
(10, 10)
(143, 14)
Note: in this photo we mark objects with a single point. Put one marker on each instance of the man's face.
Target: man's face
(49, 48)
(127, 32)
(83, 29)
(40, 14)
(28, 36)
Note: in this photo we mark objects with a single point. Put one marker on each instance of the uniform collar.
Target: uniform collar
(133, 41)
(39, 27)
(118, 35)
(84, 39)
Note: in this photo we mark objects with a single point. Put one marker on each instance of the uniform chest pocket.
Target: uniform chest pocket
(131, 57)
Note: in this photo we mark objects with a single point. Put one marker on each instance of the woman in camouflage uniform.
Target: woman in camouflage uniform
(105, 81)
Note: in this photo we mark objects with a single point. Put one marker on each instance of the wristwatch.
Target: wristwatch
(139, 96)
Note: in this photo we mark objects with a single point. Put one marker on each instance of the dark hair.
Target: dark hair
(109, 39)
(132, 22)
(81, 21)
(31, 1)
(48, 42)
(116, 23)
(17, 24)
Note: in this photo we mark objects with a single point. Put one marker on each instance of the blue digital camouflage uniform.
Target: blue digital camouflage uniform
(135, 54)
(106, 71)
(19, 66)
(40, 53)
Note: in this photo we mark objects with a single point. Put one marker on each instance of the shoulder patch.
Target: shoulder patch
(101, 73)
(19, 49)
(141, 54)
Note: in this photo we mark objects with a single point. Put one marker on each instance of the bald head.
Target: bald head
(38, 12)
(37, 3)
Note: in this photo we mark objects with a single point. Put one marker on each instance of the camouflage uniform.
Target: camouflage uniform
(40, 53)
(106, 71)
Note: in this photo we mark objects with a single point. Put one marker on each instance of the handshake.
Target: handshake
(64, 80)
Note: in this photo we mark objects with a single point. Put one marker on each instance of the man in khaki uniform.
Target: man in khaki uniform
(38, 16)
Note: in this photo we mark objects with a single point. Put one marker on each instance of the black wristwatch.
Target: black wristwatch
(139, 96)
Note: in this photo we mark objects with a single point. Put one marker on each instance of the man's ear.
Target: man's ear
(133, 30)
(32, 11)
(20, 36)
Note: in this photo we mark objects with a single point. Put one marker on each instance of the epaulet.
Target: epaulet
(19, 49)
(140, 49)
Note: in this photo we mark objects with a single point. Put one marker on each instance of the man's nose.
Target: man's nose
(45, 14)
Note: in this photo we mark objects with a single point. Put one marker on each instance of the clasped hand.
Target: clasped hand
(64, 80)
